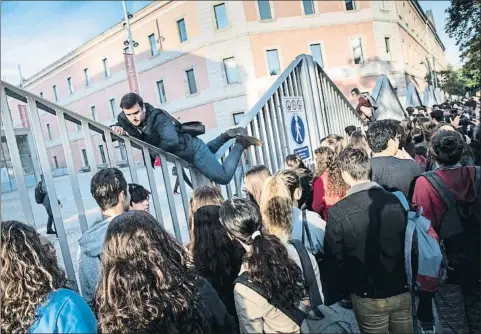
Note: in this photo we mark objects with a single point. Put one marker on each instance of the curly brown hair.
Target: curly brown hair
(147, 281)
(326, 161)
(29, 274)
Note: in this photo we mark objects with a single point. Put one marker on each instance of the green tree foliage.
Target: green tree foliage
(452, 82)
(464, 24)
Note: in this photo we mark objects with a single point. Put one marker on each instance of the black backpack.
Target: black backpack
(460, 230)
(39, 194)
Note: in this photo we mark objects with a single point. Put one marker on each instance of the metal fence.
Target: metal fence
(327, 112)
(89, 128)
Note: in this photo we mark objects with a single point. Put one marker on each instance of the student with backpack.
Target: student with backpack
(41, 197)
(270, 293)
(450, 196)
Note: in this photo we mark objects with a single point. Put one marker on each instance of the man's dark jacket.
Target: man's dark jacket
(157, 129)
(364, 245)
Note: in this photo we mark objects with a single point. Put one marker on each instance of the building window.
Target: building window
(264, 9)
(308, 7)
(93, 112)
(238, 116)
(231, 72)
(273, 61)
(357, 51)
(106, 68)
(182, 30)
(382, 5)
(70, 85)
(112, 108)
(102, 154)
(350, 4)
(49, 131)
(41, 95)
(86, 76)
(84, 154)
(387, 43)
(161, 90)
(123, 152)
(153, 45)
(126, 49)
(191, 81)
(316, 53)
(55, 93)
(79, 127)
(55, 161)
(221, 16)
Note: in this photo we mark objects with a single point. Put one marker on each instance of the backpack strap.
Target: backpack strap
(443, 191)
(293, 313)
(306, 231)
(309, 276)
(402, 199)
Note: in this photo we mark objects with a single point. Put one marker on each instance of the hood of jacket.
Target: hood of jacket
(461, 181)
(92, 241)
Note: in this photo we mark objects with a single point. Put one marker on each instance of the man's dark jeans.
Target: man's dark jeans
(206, 162)
(50, 220)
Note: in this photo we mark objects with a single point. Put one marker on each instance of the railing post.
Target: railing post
(307, 94)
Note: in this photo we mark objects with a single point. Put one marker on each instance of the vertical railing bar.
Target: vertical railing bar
(71, 171)
(89, 147)
(15, 158)
(131, 161)
(110, 148)
(280, 94)
(52, 193)
(322, 102)
(277, 140)
(280, 124)
(227, 186)
(259, 134)
(170, 196)
(183, 190)
(266, 146)
(290, 85)
(251, 153)
(294, 80)
(153, 186)
(272, 142)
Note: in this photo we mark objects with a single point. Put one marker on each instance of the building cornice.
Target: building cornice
(428, 22)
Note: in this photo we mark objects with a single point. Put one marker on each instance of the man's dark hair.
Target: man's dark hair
(106, 186)
(356, 163)
(410, 110)
(356, 91)
(350, 130)
(379, 133)
(423, 108)
(447, 147)
(138, 193)
(131, 99)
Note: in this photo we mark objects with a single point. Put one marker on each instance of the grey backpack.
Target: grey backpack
(320, 318)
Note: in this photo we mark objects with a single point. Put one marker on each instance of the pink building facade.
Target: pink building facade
(212, 60)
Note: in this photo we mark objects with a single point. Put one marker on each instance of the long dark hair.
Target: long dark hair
(216, 257)
(267, 261)
(29, 274)
(147, 280)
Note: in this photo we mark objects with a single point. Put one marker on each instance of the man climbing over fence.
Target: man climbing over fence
(158, 128)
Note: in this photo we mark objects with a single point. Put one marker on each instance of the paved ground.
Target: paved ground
(12, 210)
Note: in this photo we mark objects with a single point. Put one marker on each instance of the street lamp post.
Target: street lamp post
(130, 41)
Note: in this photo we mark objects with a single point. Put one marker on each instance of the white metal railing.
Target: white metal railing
(63, 115)
(327, 112)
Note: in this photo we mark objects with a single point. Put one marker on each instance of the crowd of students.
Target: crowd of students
(244, 269)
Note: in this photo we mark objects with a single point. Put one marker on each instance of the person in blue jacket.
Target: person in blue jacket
(156, 127)
(35, 296)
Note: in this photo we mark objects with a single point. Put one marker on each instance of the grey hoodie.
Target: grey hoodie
(91, 249)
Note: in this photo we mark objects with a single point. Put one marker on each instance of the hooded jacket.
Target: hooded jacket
(64, 311)
(157, 129)
(91, 248)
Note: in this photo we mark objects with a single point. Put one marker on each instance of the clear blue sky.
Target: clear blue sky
(35, 34)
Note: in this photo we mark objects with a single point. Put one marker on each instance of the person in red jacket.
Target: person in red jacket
(364, 107)
(458, 300)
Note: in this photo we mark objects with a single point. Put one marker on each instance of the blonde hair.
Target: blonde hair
(202, 196)
(277, 200)
(335, 143)
(254, 181)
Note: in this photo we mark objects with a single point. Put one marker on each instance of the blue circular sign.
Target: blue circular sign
(298, 130)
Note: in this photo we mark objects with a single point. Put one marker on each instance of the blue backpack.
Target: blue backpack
(430, 264)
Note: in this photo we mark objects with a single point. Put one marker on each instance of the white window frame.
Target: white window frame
(40, 94)
(102, 155)
(79, 127)
(85, 158)
(356, 6)
(224, 72)
(86, 77)
(273, 13)
(178, 30)
(106, 68)
(214, 17)
(362, 50)
(241, 112)
(70, 85)
(96, 118)
(186, 80)
(126, 49)
(279, 56)
(383, 5)
(315, 7)
(49, 131)
(55, 162)
(112, 111)
(388, 54)
(159, 100)
(153, 51)
(321, 43)
(55, 93)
